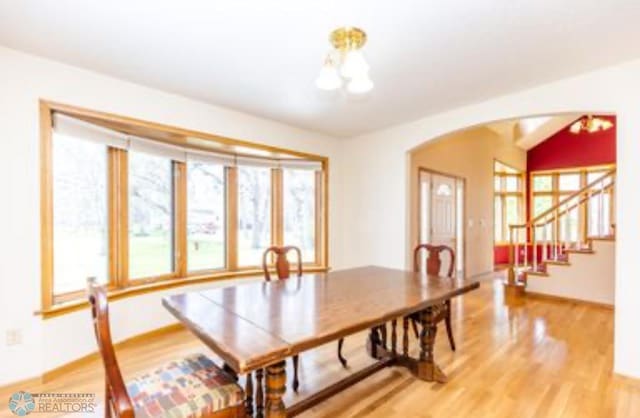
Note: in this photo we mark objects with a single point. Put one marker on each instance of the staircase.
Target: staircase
(568, 251)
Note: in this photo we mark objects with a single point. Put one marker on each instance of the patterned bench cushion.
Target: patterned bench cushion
(187, 388)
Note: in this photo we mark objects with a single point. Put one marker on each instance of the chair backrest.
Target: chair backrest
(434, 261)
(283, 269)
(116, 389)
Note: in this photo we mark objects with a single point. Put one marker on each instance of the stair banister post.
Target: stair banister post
(612, 205)
(567, 226)
(526, 246)
(584, 211)
(547, 240)
(511, 275)
(516, 251)
(534, 242)
(552, 244)
(556, 231)
(561, 236)
(545, 234)
(601, 210)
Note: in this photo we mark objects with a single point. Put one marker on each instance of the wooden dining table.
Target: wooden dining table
(256, 326)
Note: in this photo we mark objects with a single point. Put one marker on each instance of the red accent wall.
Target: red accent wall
(566, 150)
(500, 254)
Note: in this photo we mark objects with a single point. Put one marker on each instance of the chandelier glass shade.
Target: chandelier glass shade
(329, 79)
(345, 65)
(590, 124)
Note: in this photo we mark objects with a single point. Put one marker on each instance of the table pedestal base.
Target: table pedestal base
(423, 367)
(429, 372)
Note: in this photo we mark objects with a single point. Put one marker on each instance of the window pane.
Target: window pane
(299, 207)
(541, 204)
(150, 215)
(595, 175)
(512, 184)
(542, 183)
(205, 216)
(512, 210)
(569, 225)
(599, 222)
(497, 220)
(497, 183)
(569, 182)
(254, 214)
(80, 229)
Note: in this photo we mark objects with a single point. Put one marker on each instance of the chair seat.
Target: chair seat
(188, 388)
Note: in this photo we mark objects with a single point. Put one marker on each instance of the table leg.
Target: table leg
(248, 392)
(276, 387)
(259, 394)
(427, 369)
(374, 344)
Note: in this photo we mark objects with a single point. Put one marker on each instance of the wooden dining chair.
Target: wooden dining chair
(433, 266)
(190, 387)
(283, 271)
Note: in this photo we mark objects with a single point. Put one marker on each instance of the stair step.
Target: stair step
(558, 262)
(603, 238)
(580, 251)
(537, 273)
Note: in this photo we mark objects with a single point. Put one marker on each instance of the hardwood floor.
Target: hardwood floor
(543, 358)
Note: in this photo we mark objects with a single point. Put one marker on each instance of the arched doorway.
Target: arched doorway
(541, 148)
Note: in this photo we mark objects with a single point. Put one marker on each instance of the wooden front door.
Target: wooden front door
(440, 213)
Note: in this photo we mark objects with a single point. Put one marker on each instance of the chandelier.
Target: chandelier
(345, 64)
(590, 124)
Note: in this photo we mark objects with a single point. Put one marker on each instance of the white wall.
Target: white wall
(23, 80)
(589, 276)
(376, 178)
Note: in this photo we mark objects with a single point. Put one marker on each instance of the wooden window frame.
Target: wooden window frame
(184, 240)
(502, 194)
(557, 195)
(178, 233)
(278, 217)
(119, 284)
(273, 220)
(555, 192)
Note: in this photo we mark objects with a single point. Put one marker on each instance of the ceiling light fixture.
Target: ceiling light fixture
(346, 63)
(590, 124)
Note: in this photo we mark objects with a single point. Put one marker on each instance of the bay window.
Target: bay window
(141, 206)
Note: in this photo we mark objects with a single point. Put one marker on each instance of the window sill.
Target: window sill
(116, 294)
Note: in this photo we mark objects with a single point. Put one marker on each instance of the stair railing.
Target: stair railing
(553, 232)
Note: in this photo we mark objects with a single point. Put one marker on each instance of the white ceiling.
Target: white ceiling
(262, 57)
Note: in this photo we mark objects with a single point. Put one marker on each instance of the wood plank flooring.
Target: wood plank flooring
(543, 358)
